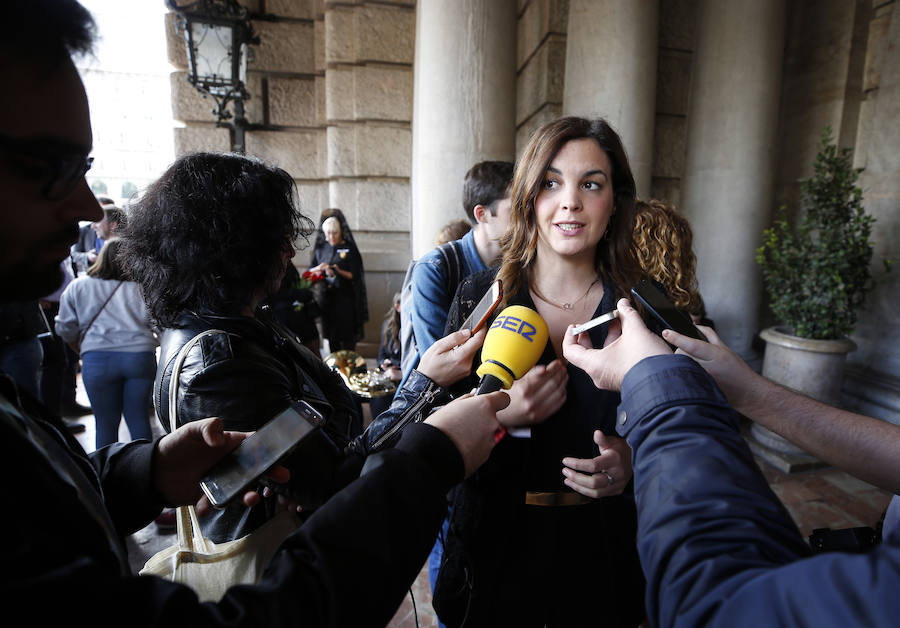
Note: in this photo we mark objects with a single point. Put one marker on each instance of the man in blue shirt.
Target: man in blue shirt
(486, 201)
(717, 546)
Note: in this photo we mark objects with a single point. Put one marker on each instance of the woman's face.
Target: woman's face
(575, 203)
(332, 234)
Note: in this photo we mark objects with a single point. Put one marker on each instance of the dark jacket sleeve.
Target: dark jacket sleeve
(413, 402)
(217, 380)
(717, 546)
(125, 473)
(328, 573)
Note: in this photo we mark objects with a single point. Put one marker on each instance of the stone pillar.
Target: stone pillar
(611, 53)
(463, 105)
(731, 156)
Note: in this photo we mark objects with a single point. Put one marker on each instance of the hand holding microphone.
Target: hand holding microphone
(514, 343)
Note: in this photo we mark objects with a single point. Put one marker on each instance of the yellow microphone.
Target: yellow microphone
(514, 343)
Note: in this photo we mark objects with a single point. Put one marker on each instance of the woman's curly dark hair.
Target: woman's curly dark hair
(210, 234)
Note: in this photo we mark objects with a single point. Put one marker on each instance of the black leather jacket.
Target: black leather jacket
(252, 371)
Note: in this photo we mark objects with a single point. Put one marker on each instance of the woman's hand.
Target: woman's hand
(604, 475)
(536, 396)
(449, 359)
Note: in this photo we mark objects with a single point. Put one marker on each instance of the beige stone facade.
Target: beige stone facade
(338, 86)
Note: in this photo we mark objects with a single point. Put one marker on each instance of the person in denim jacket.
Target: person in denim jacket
(486, 202)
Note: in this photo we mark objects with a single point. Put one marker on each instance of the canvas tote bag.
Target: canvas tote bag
(210, 568)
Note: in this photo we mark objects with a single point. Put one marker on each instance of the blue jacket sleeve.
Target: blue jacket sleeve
(431, 302)
(717, 546)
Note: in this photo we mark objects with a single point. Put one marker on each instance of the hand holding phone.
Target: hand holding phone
(665, 313)
(258, 452)
(486, 306)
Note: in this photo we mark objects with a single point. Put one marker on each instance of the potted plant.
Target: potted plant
(817, 275)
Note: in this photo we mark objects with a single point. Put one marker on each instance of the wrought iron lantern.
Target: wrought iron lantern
(218, 35)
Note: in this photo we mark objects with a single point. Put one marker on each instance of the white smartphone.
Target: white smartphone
(259, 451)
(486, 306)
(605, 318)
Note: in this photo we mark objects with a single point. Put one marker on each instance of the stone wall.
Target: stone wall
(540, 65)
(873, 386)
(673, 85)
(332, 84)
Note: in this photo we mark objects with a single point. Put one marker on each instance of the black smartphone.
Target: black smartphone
(259, 451)
(486, 306)
(659, 306)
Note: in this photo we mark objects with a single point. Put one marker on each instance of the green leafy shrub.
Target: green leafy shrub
(817, 275)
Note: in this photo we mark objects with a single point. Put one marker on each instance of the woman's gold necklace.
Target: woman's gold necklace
(564, 306)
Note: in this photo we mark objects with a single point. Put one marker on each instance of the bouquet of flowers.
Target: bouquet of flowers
(308, 279)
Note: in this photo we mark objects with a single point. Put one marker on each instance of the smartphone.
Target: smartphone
(262, 449)
(486, 306)
(659, 306)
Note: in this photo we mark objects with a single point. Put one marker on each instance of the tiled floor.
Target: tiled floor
(822, 498)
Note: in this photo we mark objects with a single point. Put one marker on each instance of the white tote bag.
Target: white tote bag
(210, 568)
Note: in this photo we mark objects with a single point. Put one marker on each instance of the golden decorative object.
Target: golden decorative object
(365, 382)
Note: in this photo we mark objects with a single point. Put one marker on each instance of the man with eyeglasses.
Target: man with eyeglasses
(66, 511)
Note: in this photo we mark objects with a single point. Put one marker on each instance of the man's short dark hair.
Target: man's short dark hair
(46, 31)
(485, 184)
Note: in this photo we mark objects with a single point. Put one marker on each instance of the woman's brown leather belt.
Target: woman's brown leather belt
(555, 498)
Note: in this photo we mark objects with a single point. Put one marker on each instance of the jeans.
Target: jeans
(21, 360)
(119, 382)
(437, 553)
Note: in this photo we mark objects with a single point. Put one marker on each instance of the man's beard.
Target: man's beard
(25, 282)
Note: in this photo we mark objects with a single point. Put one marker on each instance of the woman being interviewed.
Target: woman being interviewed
(544, 533)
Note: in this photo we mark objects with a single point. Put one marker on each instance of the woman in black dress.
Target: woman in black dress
(344, 311)
(543, 535)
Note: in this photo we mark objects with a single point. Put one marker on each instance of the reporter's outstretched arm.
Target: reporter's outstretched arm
(350, 564)
(445, 362)
(717, 546)
(860, 445)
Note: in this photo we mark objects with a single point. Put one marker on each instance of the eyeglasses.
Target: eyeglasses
(59, 165)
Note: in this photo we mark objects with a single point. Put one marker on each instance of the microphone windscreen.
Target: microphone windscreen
(514, 343)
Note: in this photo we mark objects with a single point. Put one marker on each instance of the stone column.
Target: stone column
(729, 175)
(463, 104)
(611, 52)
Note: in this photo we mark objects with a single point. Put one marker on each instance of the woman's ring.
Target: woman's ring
(609, 478)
